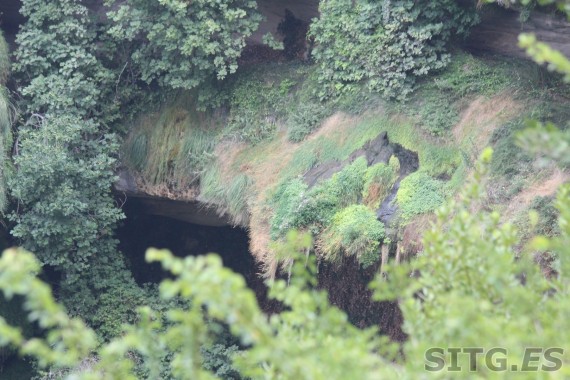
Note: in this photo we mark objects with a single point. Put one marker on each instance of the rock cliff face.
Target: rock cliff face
(499, 29)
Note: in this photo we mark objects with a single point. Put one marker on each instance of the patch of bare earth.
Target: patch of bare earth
(543, 187)
(481, 117)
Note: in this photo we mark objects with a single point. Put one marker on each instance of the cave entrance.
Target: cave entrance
(174, 225)
(144, 228)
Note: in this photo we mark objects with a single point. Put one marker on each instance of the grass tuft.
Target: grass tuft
(354, 231)
(173, 146)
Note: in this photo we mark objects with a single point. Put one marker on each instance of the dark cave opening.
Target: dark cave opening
(142, 229)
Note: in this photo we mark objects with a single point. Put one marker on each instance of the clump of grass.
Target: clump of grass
(286, 201)
(348, 184)
(236, 198)
(194, 155)
(419, 194)
(211, 186)
(173, 146)
(378, 182)
(138, 151)
(548, 214)
(354, 231)
(228, 199)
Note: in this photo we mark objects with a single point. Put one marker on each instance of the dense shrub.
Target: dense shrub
(182, 44)
(63, 185)
(354, 231)
(57, 62)
(419, 193)
(386, 44)
(297, 207)
(286, 201)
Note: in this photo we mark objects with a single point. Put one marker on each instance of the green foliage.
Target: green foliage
(378, 182)
(543, 54)
(57, 62)
(539, 218)
(509, 159)
(259, 98)
(385, 44)
(195, 154)
(63, 182)
(297, 207)
(466, 75)
(548, 215)
(218, 360)
(12, 311)
(438, 115)
(285, 201)
(419, 193)
(347, 184)
(179, 44)
(69, 341)
(173, 146)
(305, 119)
(467, 292)
(237, 195)
(553, 143)
(311, 332)
(212, 189)
(65, 162)
(231, 199)
(138, 151)
(354, 231)
(437, 102)
(476, 290)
